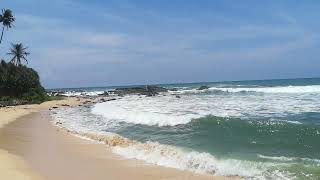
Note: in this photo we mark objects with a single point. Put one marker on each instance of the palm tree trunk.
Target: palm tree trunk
(1, 34)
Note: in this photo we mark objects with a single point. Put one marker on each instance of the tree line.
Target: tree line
(19, 84)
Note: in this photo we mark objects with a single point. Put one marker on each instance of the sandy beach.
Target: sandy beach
(32, 148)
(11, 165)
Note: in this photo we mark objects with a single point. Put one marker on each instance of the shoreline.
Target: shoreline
(72, 149)
(11, 165)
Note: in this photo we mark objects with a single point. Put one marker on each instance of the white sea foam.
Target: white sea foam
(116, 111)
(284, 158)
(277, 158)
(85, 93)
(294, 122)
(82, 122)
(277, 105)
(163, 155)
(275, 102)
(273, 90)
(173, 157)
(279, 89)
(80, 119)
(168, 156)
(170, 111)
(71, 93)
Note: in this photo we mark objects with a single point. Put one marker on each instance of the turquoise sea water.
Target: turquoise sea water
(266, 129)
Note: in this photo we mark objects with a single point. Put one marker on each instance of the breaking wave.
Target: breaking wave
(140, 116)
(279, 89)
(174, 157)
(171, 111)
(247, 130)
(255, 89)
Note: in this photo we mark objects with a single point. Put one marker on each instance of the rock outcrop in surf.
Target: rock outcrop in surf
(142, 90)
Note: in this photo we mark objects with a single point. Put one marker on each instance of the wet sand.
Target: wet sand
(55, 154)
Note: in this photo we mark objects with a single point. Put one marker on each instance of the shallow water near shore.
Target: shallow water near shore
(252, 129)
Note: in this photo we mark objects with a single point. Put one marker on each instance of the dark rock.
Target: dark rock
(146, 90)
(105, 93)
(106, 100)
(203, 87)
(87, 102)
(55, 107)
(87, 106)
(177, 96)
(173, 89)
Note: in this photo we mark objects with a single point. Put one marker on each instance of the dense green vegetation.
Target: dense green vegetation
(19, 84)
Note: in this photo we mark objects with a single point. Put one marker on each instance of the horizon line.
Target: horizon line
(199, 82)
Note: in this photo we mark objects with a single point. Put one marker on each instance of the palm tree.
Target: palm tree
(18, 51)
(7, 19)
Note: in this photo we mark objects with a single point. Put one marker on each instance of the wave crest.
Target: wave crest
(173, 157)
(255, 89)
(117, 112)
(278, 89)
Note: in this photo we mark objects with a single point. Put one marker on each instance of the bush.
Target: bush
(20, 84)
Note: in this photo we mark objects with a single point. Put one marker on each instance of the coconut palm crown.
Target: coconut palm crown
(18, 52)
(7, 19)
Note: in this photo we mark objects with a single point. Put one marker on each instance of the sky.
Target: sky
(81, 43)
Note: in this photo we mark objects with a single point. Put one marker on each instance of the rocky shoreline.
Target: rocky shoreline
(147, 91)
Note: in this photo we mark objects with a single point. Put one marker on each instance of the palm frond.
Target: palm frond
(18, 51)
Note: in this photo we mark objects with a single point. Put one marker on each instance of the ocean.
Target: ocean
(265, 129)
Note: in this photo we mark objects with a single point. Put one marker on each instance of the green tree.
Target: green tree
(21, 84)
(7, 19)
(18, 52)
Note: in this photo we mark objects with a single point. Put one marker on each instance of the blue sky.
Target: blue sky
(78, 43)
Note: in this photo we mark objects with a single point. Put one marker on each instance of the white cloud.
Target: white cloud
(76, 44)
(54, 41)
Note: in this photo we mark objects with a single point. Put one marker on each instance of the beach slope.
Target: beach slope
(32, 148)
